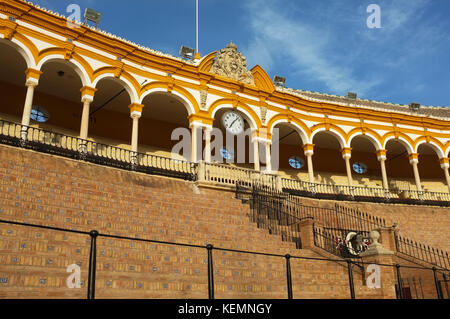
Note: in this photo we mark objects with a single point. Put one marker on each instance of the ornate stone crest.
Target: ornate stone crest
(232, 64)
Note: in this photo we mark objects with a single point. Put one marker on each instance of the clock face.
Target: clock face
(233, 122)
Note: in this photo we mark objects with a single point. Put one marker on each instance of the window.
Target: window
(296, 162)
(360, 168)
(226, 154)
(39, 114)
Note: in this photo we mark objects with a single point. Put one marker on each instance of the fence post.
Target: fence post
(92, 264)
(436, 282)
(399, 282)
(210, 247)
(288, 275)
(446, 285)
(350, 279)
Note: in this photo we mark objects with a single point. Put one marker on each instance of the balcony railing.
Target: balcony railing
(358, 193)
(73, 147)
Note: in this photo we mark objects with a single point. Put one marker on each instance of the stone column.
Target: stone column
(255, 142)
(346, 155)
(32, 80)
(87, 96)
(381, 155)
(135, 114)
(378, 254)
(207, 131)
(445, 166)
(414, 160)
(268, 156)
(194, 141)
(309, 152)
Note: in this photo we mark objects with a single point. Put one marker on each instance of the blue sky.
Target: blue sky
(318, 45)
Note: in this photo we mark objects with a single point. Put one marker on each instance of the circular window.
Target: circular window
(360, 168)
(226, 154)
(296, 162)
(39, 114)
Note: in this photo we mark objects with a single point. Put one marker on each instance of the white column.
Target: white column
(381, 155)
(256, 154)
(194, 142)
(445, 166)
(135, 114)
(87, 97)
(268, 157)
(135, 132)
(87, 100)
(414, 160)
(31, 84)
(309, 152)
(346, 155)
(207, 131)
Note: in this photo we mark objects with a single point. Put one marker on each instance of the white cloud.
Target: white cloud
(304, 47)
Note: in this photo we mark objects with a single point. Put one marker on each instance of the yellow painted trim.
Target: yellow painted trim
(172, 87)
(135, 107)
(32, 73)
(235, 103)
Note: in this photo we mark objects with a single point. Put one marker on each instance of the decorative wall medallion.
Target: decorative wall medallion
(263, 111)
(203, 96)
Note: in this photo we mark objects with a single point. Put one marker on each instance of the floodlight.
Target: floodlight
(92, 15)
(187, 52)
(279, 81)
(414, 106)
(351, 95)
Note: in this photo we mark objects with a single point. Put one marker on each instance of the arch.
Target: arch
(299, 126)
(250, 115)
(262, 79)
(332, 129)
(404, 139)
(23, 50)
(369, 134)
(432, 142)
(129, 83)
(57, 54)
(207, 61)
(187, 98)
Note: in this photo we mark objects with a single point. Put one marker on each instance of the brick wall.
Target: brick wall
(48, 190)
(426, 224)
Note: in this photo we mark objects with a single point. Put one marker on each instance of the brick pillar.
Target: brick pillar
(387, 238)
(377, 254)
(306, 233)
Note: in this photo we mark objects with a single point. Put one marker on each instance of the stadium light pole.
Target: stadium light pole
(197, 54)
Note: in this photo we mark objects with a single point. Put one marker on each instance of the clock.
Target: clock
(233, 122)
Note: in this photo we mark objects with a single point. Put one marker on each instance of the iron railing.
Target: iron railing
(364, 194)
(269, 210)
(411, 248)
(92, 268)
(73, 147)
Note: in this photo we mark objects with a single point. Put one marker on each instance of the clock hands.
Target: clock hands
(231, 125)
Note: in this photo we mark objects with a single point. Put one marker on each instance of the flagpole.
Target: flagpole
(196, 26)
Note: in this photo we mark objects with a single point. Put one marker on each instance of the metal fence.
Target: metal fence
(428, 254)
(210, 249)
(73, 147)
